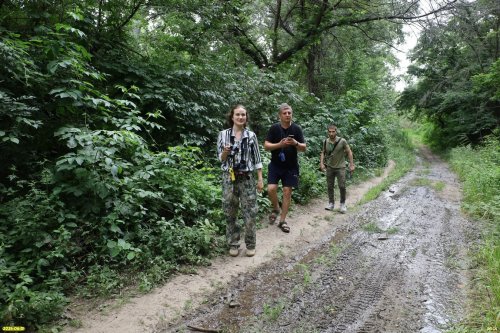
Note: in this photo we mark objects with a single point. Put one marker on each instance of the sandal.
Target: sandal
(284, 226)
(273, 216)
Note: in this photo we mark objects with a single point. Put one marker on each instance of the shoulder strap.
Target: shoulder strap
(244, 141)
(231, 137)
(334, 146)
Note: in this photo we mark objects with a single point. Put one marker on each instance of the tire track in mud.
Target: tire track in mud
(398, 265)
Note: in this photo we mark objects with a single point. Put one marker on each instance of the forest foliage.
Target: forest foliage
(456, 65)
(110, 111)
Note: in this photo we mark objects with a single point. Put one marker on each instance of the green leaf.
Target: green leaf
(115, 228)
(115, 251)
(43, 262)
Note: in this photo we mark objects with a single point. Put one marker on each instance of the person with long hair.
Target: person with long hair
(238, 152)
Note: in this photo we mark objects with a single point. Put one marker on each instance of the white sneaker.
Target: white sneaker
(234, 251)
(330, 206)
(343, 208)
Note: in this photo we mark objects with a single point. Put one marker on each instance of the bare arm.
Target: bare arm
(260, 181)
(351, 158)
(301, 146)
(273, 146)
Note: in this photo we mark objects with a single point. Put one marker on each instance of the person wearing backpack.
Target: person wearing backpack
(332, 160)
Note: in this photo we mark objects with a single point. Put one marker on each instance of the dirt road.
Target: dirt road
(397, 264)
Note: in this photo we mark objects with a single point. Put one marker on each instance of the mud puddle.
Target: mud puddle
(396, 264)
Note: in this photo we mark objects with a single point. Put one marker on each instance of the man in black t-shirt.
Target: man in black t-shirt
(284, 140)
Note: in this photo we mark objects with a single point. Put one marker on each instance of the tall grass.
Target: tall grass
(479, 170)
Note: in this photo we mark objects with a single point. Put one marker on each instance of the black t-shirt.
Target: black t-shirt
(275, 134)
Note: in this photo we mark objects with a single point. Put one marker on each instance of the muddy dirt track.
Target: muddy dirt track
(396, 264)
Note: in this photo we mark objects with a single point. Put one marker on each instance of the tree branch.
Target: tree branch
(376, 39)
(277, 19)
(254, 52)
(313, 33)
(132, 13)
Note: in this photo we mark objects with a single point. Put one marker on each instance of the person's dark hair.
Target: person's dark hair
(332, 126)
(229, 116)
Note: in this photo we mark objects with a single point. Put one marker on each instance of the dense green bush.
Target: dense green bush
(480, 171)
(117, 205)
(311, 183)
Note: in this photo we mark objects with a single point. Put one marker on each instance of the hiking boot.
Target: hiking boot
(330, 206)
(233, 251)
(250, 252)
(343, 208)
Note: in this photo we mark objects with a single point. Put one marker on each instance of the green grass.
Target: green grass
(438, 186)
(306, 273)
(392, 231)
(371, 227)
(421, 182)
(479, 172)
(330, 257)
(272, 312)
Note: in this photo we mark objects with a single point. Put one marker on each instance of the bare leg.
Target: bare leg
(287, 197)
(272, 191)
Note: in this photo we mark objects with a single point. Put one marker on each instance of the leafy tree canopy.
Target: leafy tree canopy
(456, 66)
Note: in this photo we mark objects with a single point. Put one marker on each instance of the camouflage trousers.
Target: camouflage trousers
(331, 174)
(240, 192)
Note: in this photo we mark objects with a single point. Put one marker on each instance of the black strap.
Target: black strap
(244, 143)
(334, 146)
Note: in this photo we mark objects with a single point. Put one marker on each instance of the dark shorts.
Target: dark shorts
(288, 177)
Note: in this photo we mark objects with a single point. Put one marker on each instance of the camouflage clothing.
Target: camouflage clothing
(241, 191)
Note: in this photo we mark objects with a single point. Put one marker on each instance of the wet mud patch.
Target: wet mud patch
(398, 264)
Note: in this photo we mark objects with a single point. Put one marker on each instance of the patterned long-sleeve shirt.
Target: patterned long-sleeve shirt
(246, 149)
